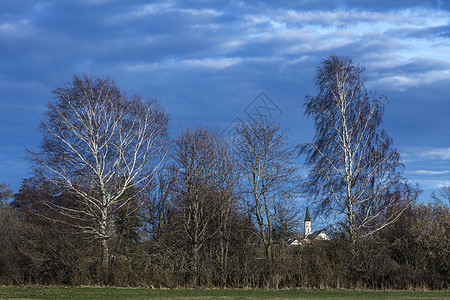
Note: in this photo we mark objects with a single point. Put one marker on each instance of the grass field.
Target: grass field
(122, 293)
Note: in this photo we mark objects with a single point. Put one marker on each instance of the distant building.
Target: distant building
(307, 237)
(307, 223)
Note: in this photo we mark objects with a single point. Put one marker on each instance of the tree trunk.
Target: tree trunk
(269, 257)
(195, 264)
(105, 261)
(224, 246)
(104, 245)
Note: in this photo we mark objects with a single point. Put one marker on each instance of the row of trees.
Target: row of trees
(200, 209)
(410, 254)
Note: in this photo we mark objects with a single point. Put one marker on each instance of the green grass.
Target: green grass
(122, 293)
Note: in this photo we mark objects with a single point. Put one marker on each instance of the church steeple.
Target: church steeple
(307, 217)
(307, 223)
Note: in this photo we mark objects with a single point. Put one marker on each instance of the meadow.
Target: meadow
(94, 293)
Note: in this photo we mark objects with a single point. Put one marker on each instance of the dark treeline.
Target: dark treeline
(411, 254)
(114, 201)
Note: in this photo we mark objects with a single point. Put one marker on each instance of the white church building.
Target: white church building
(308, 236)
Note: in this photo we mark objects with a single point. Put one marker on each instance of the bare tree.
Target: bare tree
(207, 192)
(158, 199)
(444, 195)
(355, 173)
(103, 147)
(194, 155)
(267, 162)
(228, 190)
(5, 192)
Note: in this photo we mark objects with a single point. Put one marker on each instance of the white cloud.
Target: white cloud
(338, 18)
(165, 7)
(142, 11)
(206, 63)
(213, 63)
(421, 154)
(200, 12)
(439, 154)
(96, 2)
(406, 80)
(432, 184)
(431, 173)
(15, 28)
(366, 19)
(8, 27)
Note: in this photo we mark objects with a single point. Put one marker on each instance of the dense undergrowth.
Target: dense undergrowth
(412, 254)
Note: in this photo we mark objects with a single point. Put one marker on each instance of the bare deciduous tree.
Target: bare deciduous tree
(158, 199)
(355, 173)
(5, 192)
(207, 191)
(228, 189)
(267, 162)
(194, 153)
(443, 196)
(103, 147)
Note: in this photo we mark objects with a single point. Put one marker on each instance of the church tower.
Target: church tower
(307, 223)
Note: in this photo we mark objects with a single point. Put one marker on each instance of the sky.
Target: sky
(214, 62)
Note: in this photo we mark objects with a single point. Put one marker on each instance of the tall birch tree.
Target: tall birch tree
(355, 172)
(103, 147)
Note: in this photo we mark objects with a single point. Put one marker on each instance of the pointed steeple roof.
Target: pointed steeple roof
(307, 217)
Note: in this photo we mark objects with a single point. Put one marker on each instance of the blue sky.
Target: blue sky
(207, 60)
